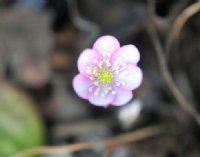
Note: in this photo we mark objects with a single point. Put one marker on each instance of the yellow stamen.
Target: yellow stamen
(105, 76)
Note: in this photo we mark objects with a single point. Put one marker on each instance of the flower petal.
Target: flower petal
(81, 85)
(122, 97)
(131, 78)
(99, 100)
(106, 43)
(128, 54)
(86, 58)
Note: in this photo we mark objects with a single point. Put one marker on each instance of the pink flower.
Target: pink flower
(108, 72)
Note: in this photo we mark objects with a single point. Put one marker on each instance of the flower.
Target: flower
(108, 72)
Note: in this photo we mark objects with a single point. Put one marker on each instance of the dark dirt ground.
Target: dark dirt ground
(39, 46)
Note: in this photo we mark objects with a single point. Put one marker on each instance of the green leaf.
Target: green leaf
(20, 126)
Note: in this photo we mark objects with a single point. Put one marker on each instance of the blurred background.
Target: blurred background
(40, 41)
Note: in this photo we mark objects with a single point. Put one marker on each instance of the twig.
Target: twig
(82, 24)
(179, 23)
(179, 97)
(119, 140)
(163, 23)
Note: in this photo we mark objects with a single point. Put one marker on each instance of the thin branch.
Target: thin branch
(179, 97)
(180, 21)
(119, 140)
(82, 24)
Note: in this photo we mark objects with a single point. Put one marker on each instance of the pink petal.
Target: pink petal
(128, 54)
(81, 85)
(99, 100)
(132, 80)
(86, 58)
(122, 97)
(106, 43)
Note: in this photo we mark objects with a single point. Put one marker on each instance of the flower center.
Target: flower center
(105, 76)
